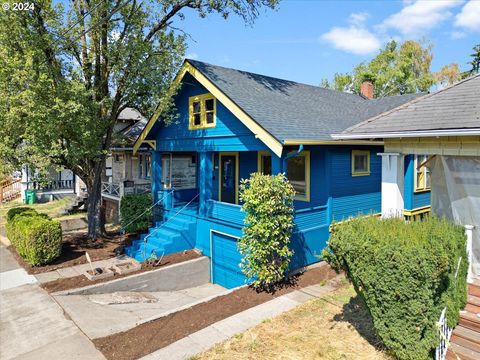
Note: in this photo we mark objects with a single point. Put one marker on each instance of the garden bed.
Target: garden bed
(138, 342)
(81, 281)
(75, 244)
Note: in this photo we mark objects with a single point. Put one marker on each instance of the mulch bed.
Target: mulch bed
(149, 337)
(81, 281)
(75, 244)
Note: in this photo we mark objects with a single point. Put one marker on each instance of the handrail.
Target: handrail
(166, 222)
(150, 208)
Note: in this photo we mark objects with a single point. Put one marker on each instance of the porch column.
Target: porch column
(156, 174)
(205, 181)
(392, 184)
(277, 164)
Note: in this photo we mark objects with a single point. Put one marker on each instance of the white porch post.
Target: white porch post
(24, 182)
(392, 184)
(469, 233)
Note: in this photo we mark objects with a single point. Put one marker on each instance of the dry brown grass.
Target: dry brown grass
(334, 327)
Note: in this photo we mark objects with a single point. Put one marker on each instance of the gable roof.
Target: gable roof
(282, 111)
(454, 110)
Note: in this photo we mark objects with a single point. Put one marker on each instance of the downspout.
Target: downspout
(300, 149)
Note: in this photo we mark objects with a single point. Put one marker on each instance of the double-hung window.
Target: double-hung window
(422, 174)
(202, 111)
(298, 173)
(264, 163)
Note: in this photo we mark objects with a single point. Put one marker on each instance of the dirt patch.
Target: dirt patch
(149, 337)
(75, 244)
(81, 281)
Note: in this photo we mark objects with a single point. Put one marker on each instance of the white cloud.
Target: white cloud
(416, 18)
(455, 35)
(192, 56)
(469, 17)
(353, 39)
(358, 18)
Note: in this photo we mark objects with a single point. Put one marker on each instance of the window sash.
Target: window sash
(360, 162)
(422, 177)
(298, 173)
(199, 116)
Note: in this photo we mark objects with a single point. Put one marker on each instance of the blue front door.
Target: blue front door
(228, 178)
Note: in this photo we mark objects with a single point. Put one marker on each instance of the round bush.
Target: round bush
(28, 211)
(37, 239)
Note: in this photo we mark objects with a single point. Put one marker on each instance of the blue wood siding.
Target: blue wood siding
(413, 200)
(354, 195)
(229, 134)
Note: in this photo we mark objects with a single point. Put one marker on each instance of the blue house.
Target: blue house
(233, 123)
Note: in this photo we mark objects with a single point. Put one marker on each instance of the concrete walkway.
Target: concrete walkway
(206, 338)
(32, 324)
(76, 270)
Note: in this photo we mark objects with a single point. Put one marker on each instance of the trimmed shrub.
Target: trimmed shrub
(405, 273)
(268, 204)
(136, 213)
(28, 211)
(37, 239)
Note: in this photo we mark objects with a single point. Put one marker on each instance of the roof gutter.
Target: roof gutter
(409, 134)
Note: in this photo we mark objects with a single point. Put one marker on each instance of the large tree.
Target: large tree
(67, 71)
(396, 69)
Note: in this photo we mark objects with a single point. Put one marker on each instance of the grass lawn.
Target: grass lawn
(51, 208)
(336, 326)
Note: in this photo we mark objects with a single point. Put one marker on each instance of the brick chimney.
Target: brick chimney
(366, 89)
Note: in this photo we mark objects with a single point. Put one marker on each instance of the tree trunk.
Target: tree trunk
(96, 216)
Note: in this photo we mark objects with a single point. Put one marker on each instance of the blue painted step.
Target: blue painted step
(173, 235)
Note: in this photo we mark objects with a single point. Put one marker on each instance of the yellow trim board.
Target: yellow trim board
(220, 174)
(270, 141)
(417, 211)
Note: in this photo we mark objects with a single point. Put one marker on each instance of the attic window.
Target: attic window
(202, 111)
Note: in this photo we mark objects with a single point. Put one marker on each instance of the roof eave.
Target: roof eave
(408, 134)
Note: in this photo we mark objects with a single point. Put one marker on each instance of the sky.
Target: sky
(308, 40)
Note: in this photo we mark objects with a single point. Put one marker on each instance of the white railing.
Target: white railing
(445, 334)
(110, 189)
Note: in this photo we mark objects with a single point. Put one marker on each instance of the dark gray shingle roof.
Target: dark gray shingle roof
(455, 107)
(289, 110)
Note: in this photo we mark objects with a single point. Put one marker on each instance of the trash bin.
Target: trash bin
(30, 197)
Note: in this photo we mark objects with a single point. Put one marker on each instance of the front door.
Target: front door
(228, 177)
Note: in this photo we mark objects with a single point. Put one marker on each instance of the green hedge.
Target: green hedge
(405, 273)
(136, 213)
(37, 239)
(20, 211)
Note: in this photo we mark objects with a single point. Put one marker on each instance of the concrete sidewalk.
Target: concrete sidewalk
(206, 338)
(32, 324)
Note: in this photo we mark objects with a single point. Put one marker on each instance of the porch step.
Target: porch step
(456, 351)
(474, 290)
(467, 338)
(470, 320)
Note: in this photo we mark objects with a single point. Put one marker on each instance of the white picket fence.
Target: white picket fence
(445, 334)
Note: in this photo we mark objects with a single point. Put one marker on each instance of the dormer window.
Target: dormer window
(202, 109)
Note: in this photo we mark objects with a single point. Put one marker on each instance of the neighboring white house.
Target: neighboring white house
(445, 125)
(125, 173)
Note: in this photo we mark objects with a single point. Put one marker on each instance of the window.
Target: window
(179, 171)
(144, 166)
(360, 162)
(148, 167)
(422, 174)
(264, 163)
(298, 173)
(202, 110)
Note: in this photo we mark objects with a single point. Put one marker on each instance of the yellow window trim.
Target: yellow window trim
(360, 152)
(305, 153)
(220, 174)
(415, 182)
(203, 112)
(259, 159)
(269, 140)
